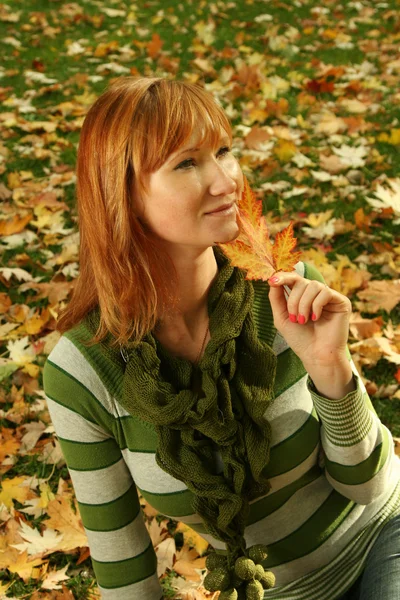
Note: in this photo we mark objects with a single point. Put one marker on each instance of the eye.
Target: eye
(224, 149)
(186, 164)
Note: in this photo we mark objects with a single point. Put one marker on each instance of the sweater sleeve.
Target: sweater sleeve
(359, 456)
(358, 448)
(123, 558)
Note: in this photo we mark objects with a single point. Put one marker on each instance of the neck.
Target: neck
(196, 274)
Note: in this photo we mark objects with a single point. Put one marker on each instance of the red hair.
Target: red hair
(128, 133)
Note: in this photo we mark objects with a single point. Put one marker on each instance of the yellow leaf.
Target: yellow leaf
(13, 181)
(32, 370)
(257, 114)
(285, 150)
(330, 34)
(192, 538)
(8, 447)
(394, 137)
(46, 495)
(12, 490)
(27, 569)
(105, 48)
(67, 522)
(383, 137)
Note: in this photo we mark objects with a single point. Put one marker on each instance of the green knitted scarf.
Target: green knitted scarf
(218, 404)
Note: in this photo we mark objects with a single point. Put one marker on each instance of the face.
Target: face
(193, 181)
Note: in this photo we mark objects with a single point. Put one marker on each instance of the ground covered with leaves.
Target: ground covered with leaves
(312, 89)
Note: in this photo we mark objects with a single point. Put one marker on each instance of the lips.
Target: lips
(223, 207)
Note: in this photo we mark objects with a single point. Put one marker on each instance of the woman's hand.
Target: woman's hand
(314, 321)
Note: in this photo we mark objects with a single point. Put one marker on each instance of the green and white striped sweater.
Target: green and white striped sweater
(334, 475)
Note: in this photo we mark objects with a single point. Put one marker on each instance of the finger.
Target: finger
(283, 278)
(278, 304)
(330, 301)
(297, 292)
(313, 291)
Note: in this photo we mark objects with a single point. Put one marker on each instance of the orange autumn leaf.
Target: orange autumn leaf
(154, 46)
(253, 250)
(282, 250)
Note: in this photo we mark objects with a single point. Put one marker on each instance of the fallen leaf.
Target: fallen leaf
(189, 565)
(35, 543)
(166, 553)
(379, 295)
(157, 531)
(192, 538)
(53, 578)
(25, 568)
(13, 489)
(68, 522)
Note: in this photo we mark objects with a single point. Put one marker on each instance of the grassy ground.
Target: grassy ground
(277, 68)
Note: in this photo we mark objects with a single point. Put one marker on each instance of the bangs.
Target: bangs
(166, 118)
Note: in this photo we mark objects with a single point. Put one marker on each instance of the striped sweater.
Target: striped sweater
(335, 479)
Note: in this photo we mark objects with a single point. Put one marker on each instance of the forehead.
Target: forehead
(202, 136)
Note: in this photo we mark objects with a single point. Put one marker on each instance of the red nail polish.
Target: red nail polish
(314, 317)
(274, 279)
(301, 319)
(293, 318)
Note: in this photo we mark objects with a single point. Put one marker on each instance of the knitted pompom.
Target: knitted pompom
(254, 591)
(230, 594)
(216, 561)
(258, 553)
(245, 568)
(267, 580)
(217, 580)
(259, 574)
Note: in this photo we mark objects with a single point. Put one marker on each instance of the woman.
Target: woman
(230, 408)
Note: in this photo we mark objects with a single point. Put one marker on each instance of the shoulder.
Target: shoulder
(75, 375)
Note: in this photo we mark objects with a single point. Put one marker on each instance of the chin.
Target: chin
(228, 238)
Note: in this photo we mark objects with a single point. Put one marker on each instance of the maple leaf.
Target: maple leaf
(36, 506)
(13, 489)
(166, 554)
(25, 568)
(67, 522)
(157, 531)
(282, 251)
(352, 156)
(36, 543)
(379, 295)
(252, 250)
(388, 198)
(53, 578)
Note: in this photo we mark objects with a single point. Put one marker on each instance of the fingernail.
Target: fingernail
(293, 318)
(301, 319)
(314, 317)
(274, 279)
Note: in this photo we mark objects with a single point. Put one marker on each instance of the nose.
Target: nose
(223, 180)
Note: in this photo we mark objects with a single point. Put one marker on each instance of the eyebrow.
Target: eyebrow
(224, 140)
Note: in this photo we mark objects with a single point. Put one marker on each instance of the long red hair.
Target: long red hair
(129, 132)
